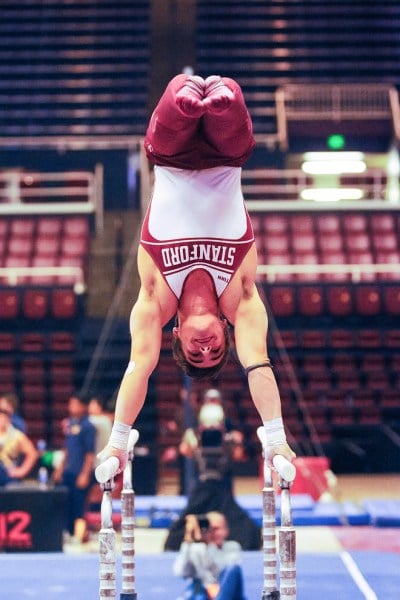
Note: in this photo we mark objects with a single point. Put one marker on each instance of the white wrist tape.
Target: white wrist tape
(119, 435)
(275, 432)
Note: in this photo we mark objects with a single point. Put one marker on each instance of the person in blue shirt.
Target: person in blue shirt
(76, 470)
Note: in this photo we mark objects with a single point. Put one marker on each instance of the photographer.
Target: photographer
(213, 449)
(209, 560)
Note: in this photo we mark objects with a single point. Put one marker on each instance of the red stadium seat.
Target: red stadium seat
(343, 363)
(367, 300)
(344, 415)
(34, 392)
(4, 227)
(49, 227)
(281, 301)
(315, 364)
(301, 224)
(33, 342)
(62, 370)
(391, 299)
(63, 303)
(385, 242)
(9, 304)
(369, 338)
(330, 243)
(47, 246)
(341, 338)
(311, 300)
(381, 223)
(355, 223)
(304, 243)
(32, 370)
(276, 244)
(35, 304)
(7, 342)
(76, 227)
(339, 300)
(357, 242)
(22, 227)
(62, 341)
(74, 246)
(369, 415)
(19, 246)
(275, 224)
(285, 339)
(8, 374)
(327, 224)
(313, 338)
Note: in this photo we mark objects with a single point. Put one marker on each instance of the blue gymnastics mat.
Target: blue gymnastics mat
(75, 577)
(383, 513)
(161, 511)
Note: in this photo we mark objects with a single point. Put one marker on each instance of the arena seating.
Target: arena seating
(90, 75)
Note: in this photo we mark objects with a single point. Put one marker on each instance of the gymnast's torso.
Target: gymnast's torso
(197, 220)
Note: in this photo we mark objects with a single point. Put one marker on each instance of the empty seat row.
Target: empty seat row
(332, 299)
(44, 242)
(326, 223)
(36, 342)
(56, 303)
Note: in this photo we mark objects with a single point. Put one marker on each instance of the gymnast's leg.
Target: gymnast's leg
(176, 118)
(227, 125)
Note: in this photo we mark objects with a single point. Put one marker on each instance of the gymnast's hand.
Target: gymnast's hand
(279, 449)
(109, 451)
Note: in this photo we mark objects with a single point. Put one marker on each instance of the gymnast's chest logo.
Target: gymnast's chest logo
(183, 254)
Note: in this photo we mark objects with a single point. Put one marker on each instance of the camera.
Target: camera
(211, 438)
(204, 523)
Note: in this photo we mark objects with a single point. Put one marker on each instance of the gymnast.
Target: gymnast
(197, 257)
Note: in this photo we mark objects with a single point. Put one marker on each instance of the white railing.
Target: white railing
(25, 192)
(267, 186)
(356, 271)
(335, 102)
(13, 276)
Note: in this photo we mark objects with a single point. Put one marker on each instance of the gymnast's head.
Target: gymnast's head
(201, 345)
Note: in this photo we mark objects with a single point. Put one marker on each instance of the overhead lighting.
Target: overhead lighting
(333, 163)
(331, 194)
(333, 155)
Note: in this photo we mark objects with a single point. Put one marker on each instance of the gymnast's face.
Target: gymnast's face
(202, 338)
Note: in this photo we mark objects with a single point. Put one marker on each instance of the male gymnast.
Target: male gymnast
(197, 257)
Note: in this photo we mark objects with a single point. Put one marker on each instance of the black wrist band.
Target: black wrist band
(267, 363)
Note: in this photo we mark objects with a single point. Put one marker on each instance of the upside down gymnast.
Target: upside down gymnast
(197, 257)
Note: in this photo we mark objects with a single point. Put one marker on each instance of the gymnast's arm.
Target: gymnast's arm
(154, 307)
(251, 327)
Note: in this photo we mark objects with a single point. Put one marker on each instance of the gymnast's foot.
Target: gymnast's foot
(217, 96)
(190, 97)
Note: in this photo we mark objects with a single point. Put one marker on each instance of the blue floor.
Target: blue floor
(69, 577)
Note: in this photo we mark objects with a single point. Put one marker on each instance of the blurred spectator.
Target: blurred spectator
(18, 455)
(209, 560)
(76, 469)
(212, 442)
(101, 422)
(213, 449)
(185, 416)
(16, 418)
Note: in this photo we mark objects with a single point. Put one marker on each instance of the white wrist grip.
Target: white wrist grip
(107, 470)
(284, 467)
